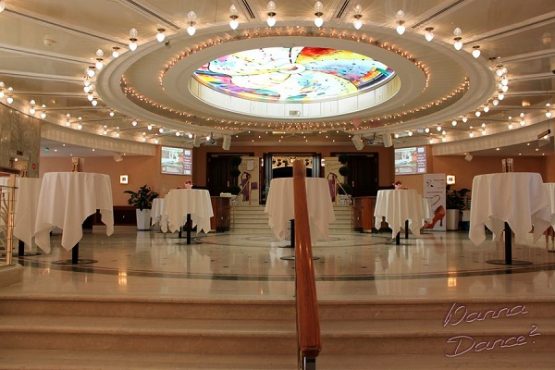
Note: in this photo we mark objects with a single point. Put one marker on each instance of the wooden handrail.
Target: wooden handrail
(308, 319)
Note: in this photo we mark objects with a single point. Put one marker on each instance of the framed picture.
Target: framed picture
(124, 179)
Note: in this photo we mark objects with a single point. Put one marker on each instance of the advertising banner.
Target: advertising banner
(434, 192)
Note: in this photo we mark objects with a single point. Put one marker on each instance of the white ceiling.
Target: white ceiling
(45, 46)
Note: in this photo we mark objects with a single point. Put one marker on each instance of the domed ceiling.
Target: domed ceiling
(153, 72)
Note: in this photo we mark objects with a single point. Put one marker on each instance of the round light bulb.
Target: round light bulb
(429, 35)
(271, 20)
(464, 119)
(233, 24)
(160, 35)
(133, 45)
(495, 102)
(43, 115)
(476, 53)
(191, 30)
(115, 52)
(504, 88)
(501, 96)
(486, 109)
(400, 27)
(99, 64)
(32, 110)
(318, 21)
(111, 114)
(357, 23)
(134, 123)
(548, 114)
(91, 72)
(94, 102)
(454, 123)
(458, 44)
(478, 113)
(90, 97)
(427, 130)
(9, 99)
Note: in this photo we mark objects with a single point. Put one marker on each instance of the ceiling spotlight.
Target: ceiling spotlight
(134, 123)
(464, 119)
(91, 72)
(9, 99)
(2, 5)
(471, 134)
(94, 102)
(410, 133)
(500, 71)
(115, 52)
(43, 115)
(90, 96)
(438, 128)
(32, 110)
(454, 123)
(548, 114)
(318, 20)
(504, 81)
(133, 39)
(458, 44)
(233, 16)
(495, 102)
(161, 130)
(522, 122)
(476, 51)
(510, 126)
(111, 114)
(400, 27)
(357, 23)
(271, 12)
(478, 113)
(396, 136)
(486, 109)
(191, 22)
(160, 35)
(429, 34)
(149, 127)
(504, 88)
(500, 96)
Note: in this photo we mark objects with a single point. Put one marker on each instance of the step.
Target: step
(68, 359)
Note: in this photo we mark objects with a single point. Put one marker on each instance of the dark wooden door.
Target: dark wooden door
(363, 174)
(217, 174)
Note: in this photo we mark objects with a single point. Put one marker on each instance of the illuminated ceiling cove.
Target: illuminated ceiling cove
(298, 74)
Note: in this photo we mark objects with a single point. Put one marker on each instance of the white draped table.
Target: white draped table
(179, 203)
(280, 207)
(26, 204)
(550, 188)
(399, 206)
(157, 213)
(512, 201)
(66, 199)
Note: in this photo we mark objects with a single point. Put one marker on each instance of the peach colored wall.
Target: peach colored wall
(549, 168)
(141, 170)
(386, 171)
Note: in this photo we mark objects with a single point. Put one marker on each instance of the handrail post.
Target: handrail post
(308, 321)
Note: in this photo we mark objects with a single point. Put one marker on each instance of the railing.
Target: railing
(308, 319)
(7, 208)
(233, 203)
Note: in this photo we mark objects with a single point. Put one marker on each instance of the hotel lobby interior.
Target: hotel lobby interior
(421, 214)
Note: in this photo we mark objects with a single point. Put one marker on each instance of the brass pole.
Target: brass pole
(10, 219)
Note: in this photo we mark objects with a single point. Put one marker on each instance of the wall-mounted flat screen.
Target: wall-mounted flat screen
(410, 161)
(176, 161)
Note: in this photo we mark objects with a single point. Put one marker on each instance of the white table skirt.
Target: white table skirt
(26, 203)
(550, 187)
(180, 202)
(66, 199)
(400, 205)
(518, 198)
(157, 213)
(280, 207)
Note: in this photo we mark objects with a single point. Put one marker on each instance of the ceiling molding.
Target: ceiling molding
(532, 77)
(86, 107)
(438, 11)
(51, 93)
(53, 23)
(40, 76)
(527, 93)
(44, 54)
(526, 56)
(147, 11)
(515, 28)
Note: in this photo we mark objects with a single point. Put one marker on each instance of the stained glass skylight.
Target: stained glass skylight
(298, 74)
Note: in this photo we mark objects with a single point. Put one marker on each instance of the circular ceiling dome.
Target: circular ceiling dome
(293, 74)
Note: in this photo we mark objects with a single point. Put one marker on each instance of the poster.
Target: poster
(434, 192)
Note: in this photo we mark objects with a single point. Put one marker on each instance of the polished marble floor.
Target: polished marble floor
(232, 265)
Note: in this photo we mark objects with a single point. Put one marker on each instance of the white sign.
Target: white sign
(434, 192)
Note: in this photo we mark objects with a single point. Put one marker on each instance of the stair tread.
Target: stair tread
(70, 359)
(145, 326)
(240, 327)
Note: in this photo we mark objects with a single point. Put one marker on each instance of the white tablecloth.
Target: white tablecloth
(26, 203)
(157, 213)
(66, 199)
(180, 202)
(518, 198)
(280, 207)
(550, 187)
(397, 206)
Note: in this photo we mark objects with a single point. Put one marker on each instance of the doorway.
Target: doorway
(363, 174)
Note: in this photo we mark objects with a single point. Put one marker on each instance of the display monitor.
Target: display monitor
(176, 161)
(410, 161)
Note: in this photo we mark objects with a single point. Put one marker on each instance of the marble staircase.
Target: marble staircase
(39, 332)
(253, 220)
